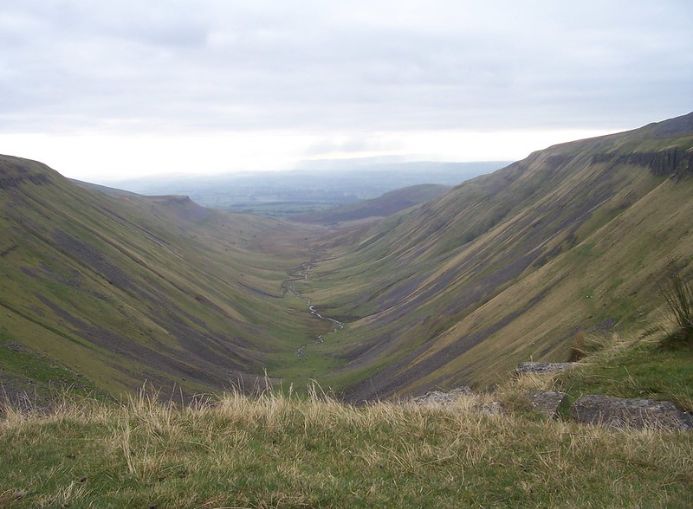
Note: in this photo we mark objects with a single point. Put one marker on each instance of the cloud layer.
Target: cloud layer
(340, 70)
(341, 65)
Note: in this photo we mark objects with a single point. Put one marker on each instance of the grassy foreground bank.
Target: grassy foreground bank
(278, 451)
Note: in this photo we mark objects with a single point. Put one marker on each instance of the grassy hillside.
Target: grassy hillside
(276, 451)
(109, 290)
(512, 265)
(382, 206)
(104, 290)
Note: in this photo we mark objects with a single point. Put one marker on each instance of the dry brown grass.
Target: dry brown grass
(285, 451)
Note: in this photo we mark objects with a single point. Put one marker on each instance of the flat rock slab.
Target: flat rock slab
(630, 413)
(442, 398)
(547, 403)
(542, 367)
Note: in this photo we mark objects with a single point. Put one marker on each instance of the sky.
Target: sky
(108, 90)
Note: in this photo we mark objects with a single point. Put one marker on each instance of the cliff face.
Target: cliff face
(14, 173)
(676, 162)
(9, 182)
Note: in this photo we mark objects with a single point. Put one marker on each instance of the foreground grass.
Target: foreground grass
(277, 451)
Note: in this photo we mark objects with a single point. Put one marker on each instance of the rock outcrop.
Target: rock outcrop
(542, 367)
(630, 413)
(442, 398)
(16, 180)
(675, 162)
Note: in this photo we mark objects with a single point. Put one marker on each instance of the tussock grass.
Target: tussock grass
(632, 368)
(678, 295)
(286, 451)
(585, 344)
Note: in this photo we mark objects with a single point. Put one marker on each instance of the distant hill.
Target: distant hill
(314, 185)
(385, 205)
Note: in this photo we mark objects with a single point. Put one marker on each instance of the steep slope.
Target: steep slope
(107, 289)
(511, 265)
(111, 191)
(382, 206)
(110, 290)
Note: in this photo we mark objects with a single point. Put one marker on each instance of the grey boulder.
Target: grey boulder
(542, 367)
(547, 403)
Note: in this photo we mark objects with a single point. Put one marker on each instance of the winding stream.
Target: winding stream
(301, 274)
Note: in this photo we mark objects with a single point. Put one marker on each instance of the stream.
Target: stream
(301, 274)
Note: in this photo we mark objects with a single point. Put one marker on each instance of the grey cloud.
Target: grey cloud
(318, 65)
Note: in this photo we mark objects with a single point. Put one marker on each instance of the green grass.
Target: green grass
(25, 372)
(643, 370)
(278, 451)
(33, 367)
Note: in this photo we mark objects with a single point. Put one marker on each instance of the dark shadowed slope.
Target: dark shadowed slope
(118, 288)
(382, 206)
(512, 265)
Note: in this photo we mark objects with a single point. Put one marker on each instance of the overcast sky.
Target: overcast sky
(112, 89)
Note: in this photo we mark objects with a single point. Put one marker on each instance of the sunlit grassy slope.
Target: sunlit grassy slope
(106, 291)
(510, 266)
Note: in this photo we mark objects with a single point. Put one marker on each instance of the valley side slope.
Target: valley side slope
(107, 291)
(511, 266)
